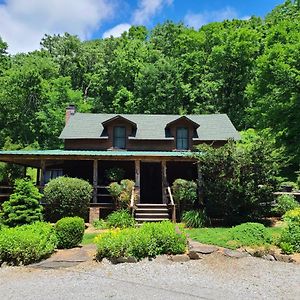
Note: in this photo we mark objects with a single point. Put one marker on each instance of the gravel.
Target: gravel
(213, 277)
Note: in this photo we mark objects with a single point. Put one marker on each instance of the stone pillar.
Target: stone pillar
(94, 214)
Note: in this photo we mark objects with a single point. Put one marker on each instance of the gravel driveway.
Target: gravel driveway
(214, 277)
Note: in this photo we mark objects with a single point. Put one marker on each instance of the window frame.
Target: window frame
(118, 137)
(182, 139)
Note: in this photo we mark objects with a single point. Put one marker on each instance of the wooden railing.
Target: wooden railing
(171, 204)
(5, 192)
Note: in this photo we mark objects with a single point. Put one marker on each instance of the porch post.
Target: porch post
(200, 185)
(164, 180)
(42, 173)
(95, 180)
(38, 174)
(137, 165)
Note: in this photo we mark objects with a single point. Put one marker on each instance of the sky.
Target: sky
(23, 23)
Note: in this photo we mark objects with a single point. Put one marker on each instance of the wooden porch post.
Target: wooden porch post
(42, 173)
(137, 165)
(95, 180)
(200, 185)
(38, 174)
(164, 180)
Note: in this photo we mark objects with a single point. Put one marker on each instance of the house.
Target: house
(153, 150)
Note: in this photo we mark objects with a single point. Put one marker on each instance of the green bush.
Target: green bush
(285, 203)
(23, 206)
(69, 231)
(149, 240)
(27, 244)
(248, 234)
(115, 174)
(292, 216)
(290, 238)
(67, 197)
(100, 224)
(121, 192)
(185, 193)
(194, 218)
(120, 219)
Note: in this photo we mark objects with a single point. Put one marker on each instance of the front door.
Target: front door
(151, 182)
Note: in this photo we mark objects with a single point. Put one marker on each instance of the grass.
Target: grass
(88, 238)
(221, 236)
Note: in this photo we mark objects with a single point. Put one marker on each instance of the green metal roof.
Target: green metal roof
(214, 127)
(95, 153)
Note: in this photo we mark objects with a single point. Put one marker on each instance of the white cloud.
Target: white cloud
(24, 22)
(116, 31)
(197, 20)
(147, 9)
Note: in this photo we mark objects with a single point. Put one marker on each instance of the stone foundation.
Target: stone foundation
(94, 214)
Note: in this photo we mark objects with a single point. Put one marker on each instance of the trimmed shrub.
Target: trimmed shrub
(100, 224)
(27, 244)
(248, 234)
(69, 231)
(194, 218)
(121, 192)
(292, 216)
(120, 219)
(185, 193)
(285, 203)
(115, 174)
(149, 240)
(290, 238)
(23, 206)
(67, 197)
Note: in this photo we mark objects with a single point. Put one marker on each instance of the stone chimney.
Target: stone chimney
(70, 111)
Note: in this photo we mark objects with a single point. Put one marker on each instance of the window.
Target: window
(119, 137)
(51, 174)
(182, 138)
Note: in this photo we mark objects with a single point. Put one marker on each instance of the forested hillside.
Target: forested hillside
(249, 69)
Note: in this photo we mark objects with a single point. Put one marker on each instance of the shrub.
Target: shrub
(185, 193)
(115, 174)
(121, 192)
(288, 186)
(292, 216)
(69, 231)
(23, 206)
(67, 197)
(248, 234)
(290, 238)
(285, 203)
(27, 244)
(149, 240)
(100, 224)
(120, 219)
(194, 218)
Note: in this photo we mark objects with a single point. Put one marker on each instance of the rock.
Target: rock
(194, 255)
(119, 260)
(268, 257)
(235, 254)
(204, 249)
(179, 258)
(283, 258)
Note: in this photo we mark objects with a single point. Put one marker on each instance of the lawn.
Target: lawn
(221, 236)
(88, 238)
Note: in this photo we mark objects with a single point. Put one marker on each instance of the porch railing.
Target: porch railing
(5, 192)
(171, 204)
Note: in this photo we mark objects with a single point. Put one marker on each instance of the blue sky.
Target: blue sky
(24, 22)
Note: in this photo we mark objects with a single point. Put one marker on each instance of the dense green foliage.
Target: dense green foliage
(290, 239)
(100, 224)
(23, 206)
(238, 180)
(120, 219)
(69, 232)
(121, 192)
(285, 203)
(67, 197)
(115, 174)
(292, 216)
(27, 244)
(149, 240)
(248, 234)
(248, 69)
(185, 194)
(194, 218)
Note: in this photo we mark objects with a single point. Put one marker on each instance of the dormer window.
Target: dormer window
(119, 137)
(182, 138)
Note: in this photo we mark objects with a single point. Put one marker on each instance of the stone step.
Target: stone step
(152, 216)
(142, 220)
(151, 205)
(152, 210)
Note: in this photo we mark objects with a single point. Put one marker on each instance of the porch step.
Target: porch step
(151, 212)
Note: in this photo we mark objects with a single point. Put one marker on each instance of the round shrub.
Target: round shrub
(249, 234)
(285, 203)
(27, 244)
(69, 232)
(67, 197)
(120, 219)
(290, 238)
(23, 206)
(194, 218)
